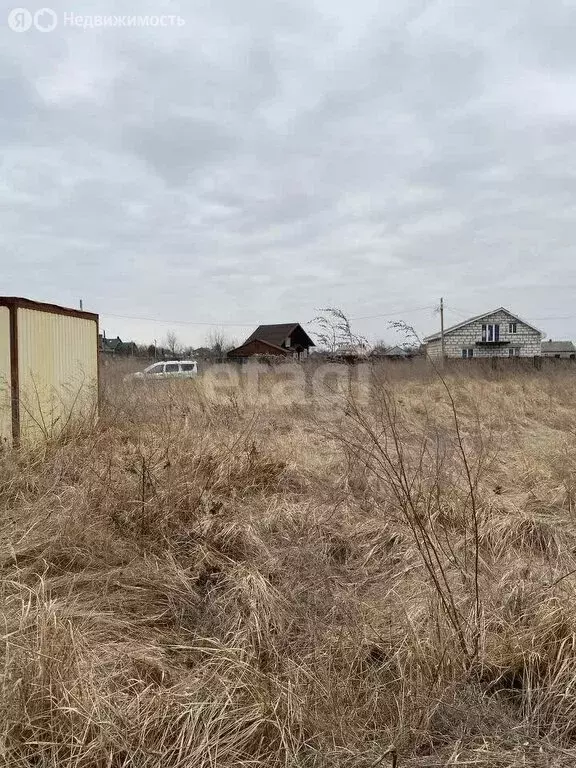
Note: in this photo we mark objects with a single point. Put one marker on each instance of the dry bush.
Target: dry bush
(242, 581)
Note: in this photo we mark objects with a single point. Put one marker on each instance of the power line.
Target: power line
(536, 319)
(459, 312)
(216, 323)
(394, 314)
(557, 317)
(173, 322)
(447, 307)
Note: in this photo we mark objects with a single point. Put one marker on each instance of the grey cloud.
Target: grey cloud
(269, 158)
(17, 92)
(177, 148)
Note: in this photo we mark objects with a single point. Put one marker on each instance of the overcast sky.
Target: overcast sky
(270, 157)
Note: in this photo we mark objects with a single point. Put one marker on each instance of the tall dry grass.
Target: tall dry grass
(244, 581)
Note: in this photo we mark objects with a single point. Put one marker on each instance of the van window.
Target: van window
(188, 366)
(171, 368)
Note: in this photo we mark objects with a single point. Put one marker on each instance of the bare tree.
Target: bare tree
(172, 343)
(218, 342)
(380, 347)
(335, 331)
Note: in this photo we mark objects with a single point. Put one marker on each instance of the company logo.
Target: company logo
(21, 20)
(45, 20)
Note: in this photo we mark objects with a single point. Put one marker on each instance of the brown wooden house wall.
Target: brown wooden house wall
(256, 347)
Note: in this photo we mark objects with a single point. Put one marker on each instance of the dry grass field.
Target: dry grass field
(231, 579)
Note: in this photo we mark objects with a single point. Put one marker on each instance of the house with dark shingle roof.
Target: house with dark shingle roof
(561, 349)
(281, 340)
(116, 346)
(111, 346)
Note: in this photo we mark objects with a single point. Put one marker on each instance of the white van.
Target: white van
(180, 369)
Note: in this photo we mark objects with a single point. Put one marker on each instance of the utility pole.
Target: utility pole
(81, 305)
(442, 330)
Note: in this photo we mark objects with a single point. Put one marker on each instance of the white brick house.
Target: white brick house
(495, 334)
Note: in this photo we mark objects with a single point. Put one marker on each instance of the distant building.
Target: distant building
(495, 334)
(287, 340)
(110, 346)
(559, 349)
(116, 346)
(396, 353)
(351, 351)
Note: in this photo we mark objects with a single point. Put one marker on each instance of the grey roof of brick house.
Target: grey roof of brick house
(558, 346)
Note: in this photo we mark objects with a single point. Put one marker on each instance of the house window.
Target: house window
(467, 353)
(490, 332)
(512, 328)
(513, 351)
